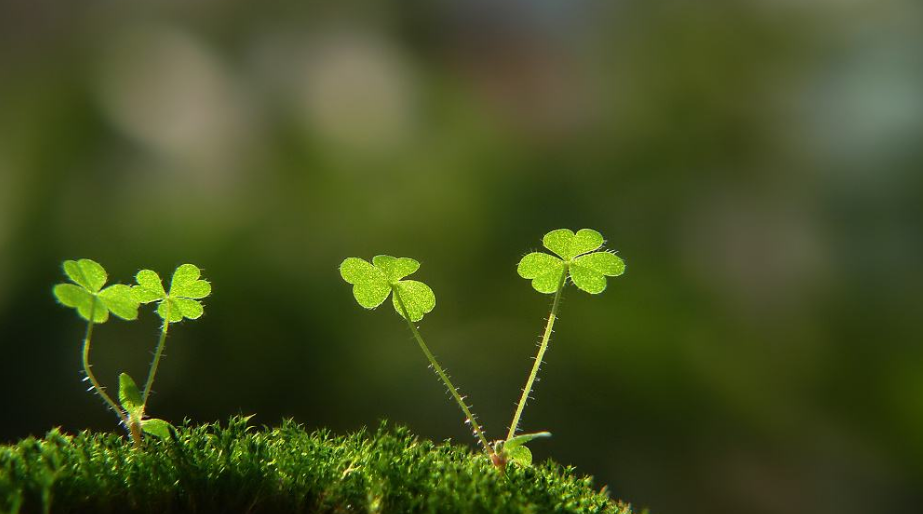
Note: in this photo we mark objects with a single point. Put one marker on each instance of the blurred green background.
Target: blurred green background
(756, 163)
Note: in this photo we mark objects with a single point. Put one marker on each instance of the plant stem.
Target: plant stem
(87, 369)
(156, 362)
(549, 326)
(445, 379)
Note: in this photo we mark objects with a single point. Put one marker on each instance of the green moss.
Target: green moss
(237, 468)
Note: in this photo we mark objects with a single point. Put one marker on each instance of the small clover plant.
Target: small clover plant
(577, 257)
(94, 304)
(374, 282)
(182, 302)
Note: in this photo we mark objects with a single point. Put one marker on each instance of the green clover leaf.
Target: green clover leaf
(373, 282)
(578, 257)
(87, 295)
(186, 289)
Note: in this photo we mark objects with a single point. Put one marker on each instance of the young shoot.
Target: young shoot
(182, 302)
(577, 257)
(94, 304)
(374, 282)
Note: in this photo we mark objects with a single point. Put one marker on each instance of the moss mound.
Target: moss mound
(236, 468)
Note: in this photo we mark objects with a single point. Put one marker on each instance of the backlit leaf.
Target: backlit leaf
(182, 301)
(544, 270)
(569, 245)
(395, 268)
(418, 298)
(587, 267)
(119, 300)
(87, 273)
(191, 309)
(605, 263)
(149, 288)
(522, 439)
(129, 396)
(371, 294)
(84, 293)
(185, 283)
(520, 455)
(373, 282)
(156, 427)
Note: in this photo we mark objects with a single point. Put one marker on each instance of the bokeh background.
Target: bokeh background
(756, 163)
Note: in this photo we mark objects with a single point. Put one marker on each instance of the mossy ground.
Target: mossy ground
(236, 468)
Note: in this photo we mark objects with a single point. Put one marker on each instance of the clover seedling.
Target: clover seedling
(374, 282)
(182, 302)
(93, 303)
(577, 256)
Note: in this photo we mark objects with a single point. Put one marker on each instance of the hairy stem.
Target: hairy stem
(157, 354)
(445, 379)
(549, 327)
(89, 372)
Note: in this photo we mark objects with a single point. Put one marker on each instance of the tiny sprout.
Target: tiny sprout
(578, 258)
(182, 302)
(374, 282)
(94, 304)
(514, 449)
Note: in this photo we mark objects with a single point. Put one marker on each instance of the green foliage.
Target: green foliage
(133, 402)
(87, 296)
(186, 289)
(130, 397)
(579, 257)
(94, 305)
(576, 254)
(156, 427)
(236, 468)
(515, 450)
(373, 282)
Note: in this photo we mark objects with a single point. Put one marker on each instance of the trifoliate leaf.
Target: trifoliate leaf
(156, 427)
(185, 290)
(586, 267)
(544, 270)
(87, 296)
(520, 455)
(373, 282)
(130, 396)
(418, 298)
(569, 245)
